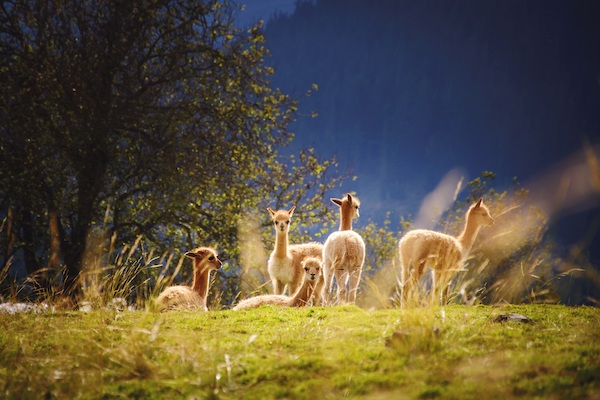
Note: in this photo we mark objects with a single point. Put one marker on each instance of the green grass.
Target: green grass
(309, 353)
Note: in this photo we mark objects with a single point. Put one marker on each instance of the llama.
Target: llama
(443, 253)
(284, 264)
(192, 298)
(344, 253)
(312, 285)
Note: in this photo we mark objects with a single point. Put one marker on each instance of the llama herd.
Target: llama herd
(308, 269)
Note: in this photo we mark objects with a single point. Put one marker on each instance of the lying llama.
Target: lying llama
(185, 297)
(344, 253)
(285, 262)
(313, 284)
(444, 254)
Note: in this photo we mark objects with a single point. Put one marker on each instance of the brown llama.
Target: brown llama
(344, 253)
(285, 262)
(192, 298)
(444, 254)
(312, 285)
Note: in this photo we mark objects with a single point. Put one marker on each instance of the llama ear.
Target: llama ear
(479, 203)
(291, 210)
(349, 198)
(337, 201)
(191, 254)
(271, 212)
(196, 254)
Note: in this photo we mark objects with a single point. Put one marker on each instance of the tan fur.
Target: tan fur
(444, 254)
(285, 262)
(192, 298)
(344, 253)
(312, 285)
(179, 298)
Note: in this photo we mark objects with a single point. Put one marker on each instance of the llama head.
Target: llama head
(312, 268)
(205, 258)
(349, 205)
(281, 219)
(479, 214)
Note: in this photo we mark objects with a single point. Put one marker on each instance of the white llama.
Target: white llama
(285, 262)
(192, 298)
(444, 254)
(344, 253)
(312, 284)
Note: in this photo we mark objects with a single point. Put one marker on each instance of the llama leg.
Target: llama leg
(414, 274)
(439, 287)
(353, 285)
(434, 283)
(408, 291)
(278, 286)
(444, 283)
(318, 294)
(406, 287)
(445, 294)
(407, 283)
(341, 278)
(328, 275)
(293, 287)
(317, 299)
(405, 268)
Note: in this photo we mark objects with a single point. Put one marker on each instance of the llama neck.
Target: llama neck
(200, 283)
(281, 244)
(345, 221)
(303, 295)
(468, 236)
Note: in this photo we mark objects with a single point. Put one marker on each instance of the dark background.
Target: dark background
(410, 90)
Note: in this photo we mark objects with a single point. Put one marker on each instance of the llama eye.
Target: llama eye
(211, 258)
(287, 222)
(306, 269)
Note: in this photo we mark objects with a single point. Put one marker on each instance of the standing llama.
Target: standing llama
(192, 298)
(444, 254)
(344, 253)
(312, 284)
(285, 262)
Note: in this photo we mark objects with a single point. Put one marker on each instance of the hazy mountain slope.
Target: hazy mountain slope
(409, 90)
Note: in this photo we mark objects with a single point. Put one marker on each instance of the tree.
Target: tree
(146, 118)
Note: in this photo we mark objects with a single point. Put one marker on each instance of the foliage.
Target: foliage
(451, 352)
(122, 119)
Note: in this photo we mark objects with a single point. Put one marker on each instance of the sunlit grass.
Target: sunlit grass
(436, 352)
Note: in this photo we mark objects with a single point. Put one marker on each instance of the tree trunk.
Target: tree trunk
(55, 239)
(31, 263)
(89, 183)
(10, 238)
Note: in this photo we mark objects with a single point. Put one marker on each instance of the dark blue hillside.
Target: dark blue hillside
(411, 89)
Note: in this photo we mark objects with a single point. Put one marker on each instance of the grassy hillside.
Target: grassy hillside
(451, 352)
